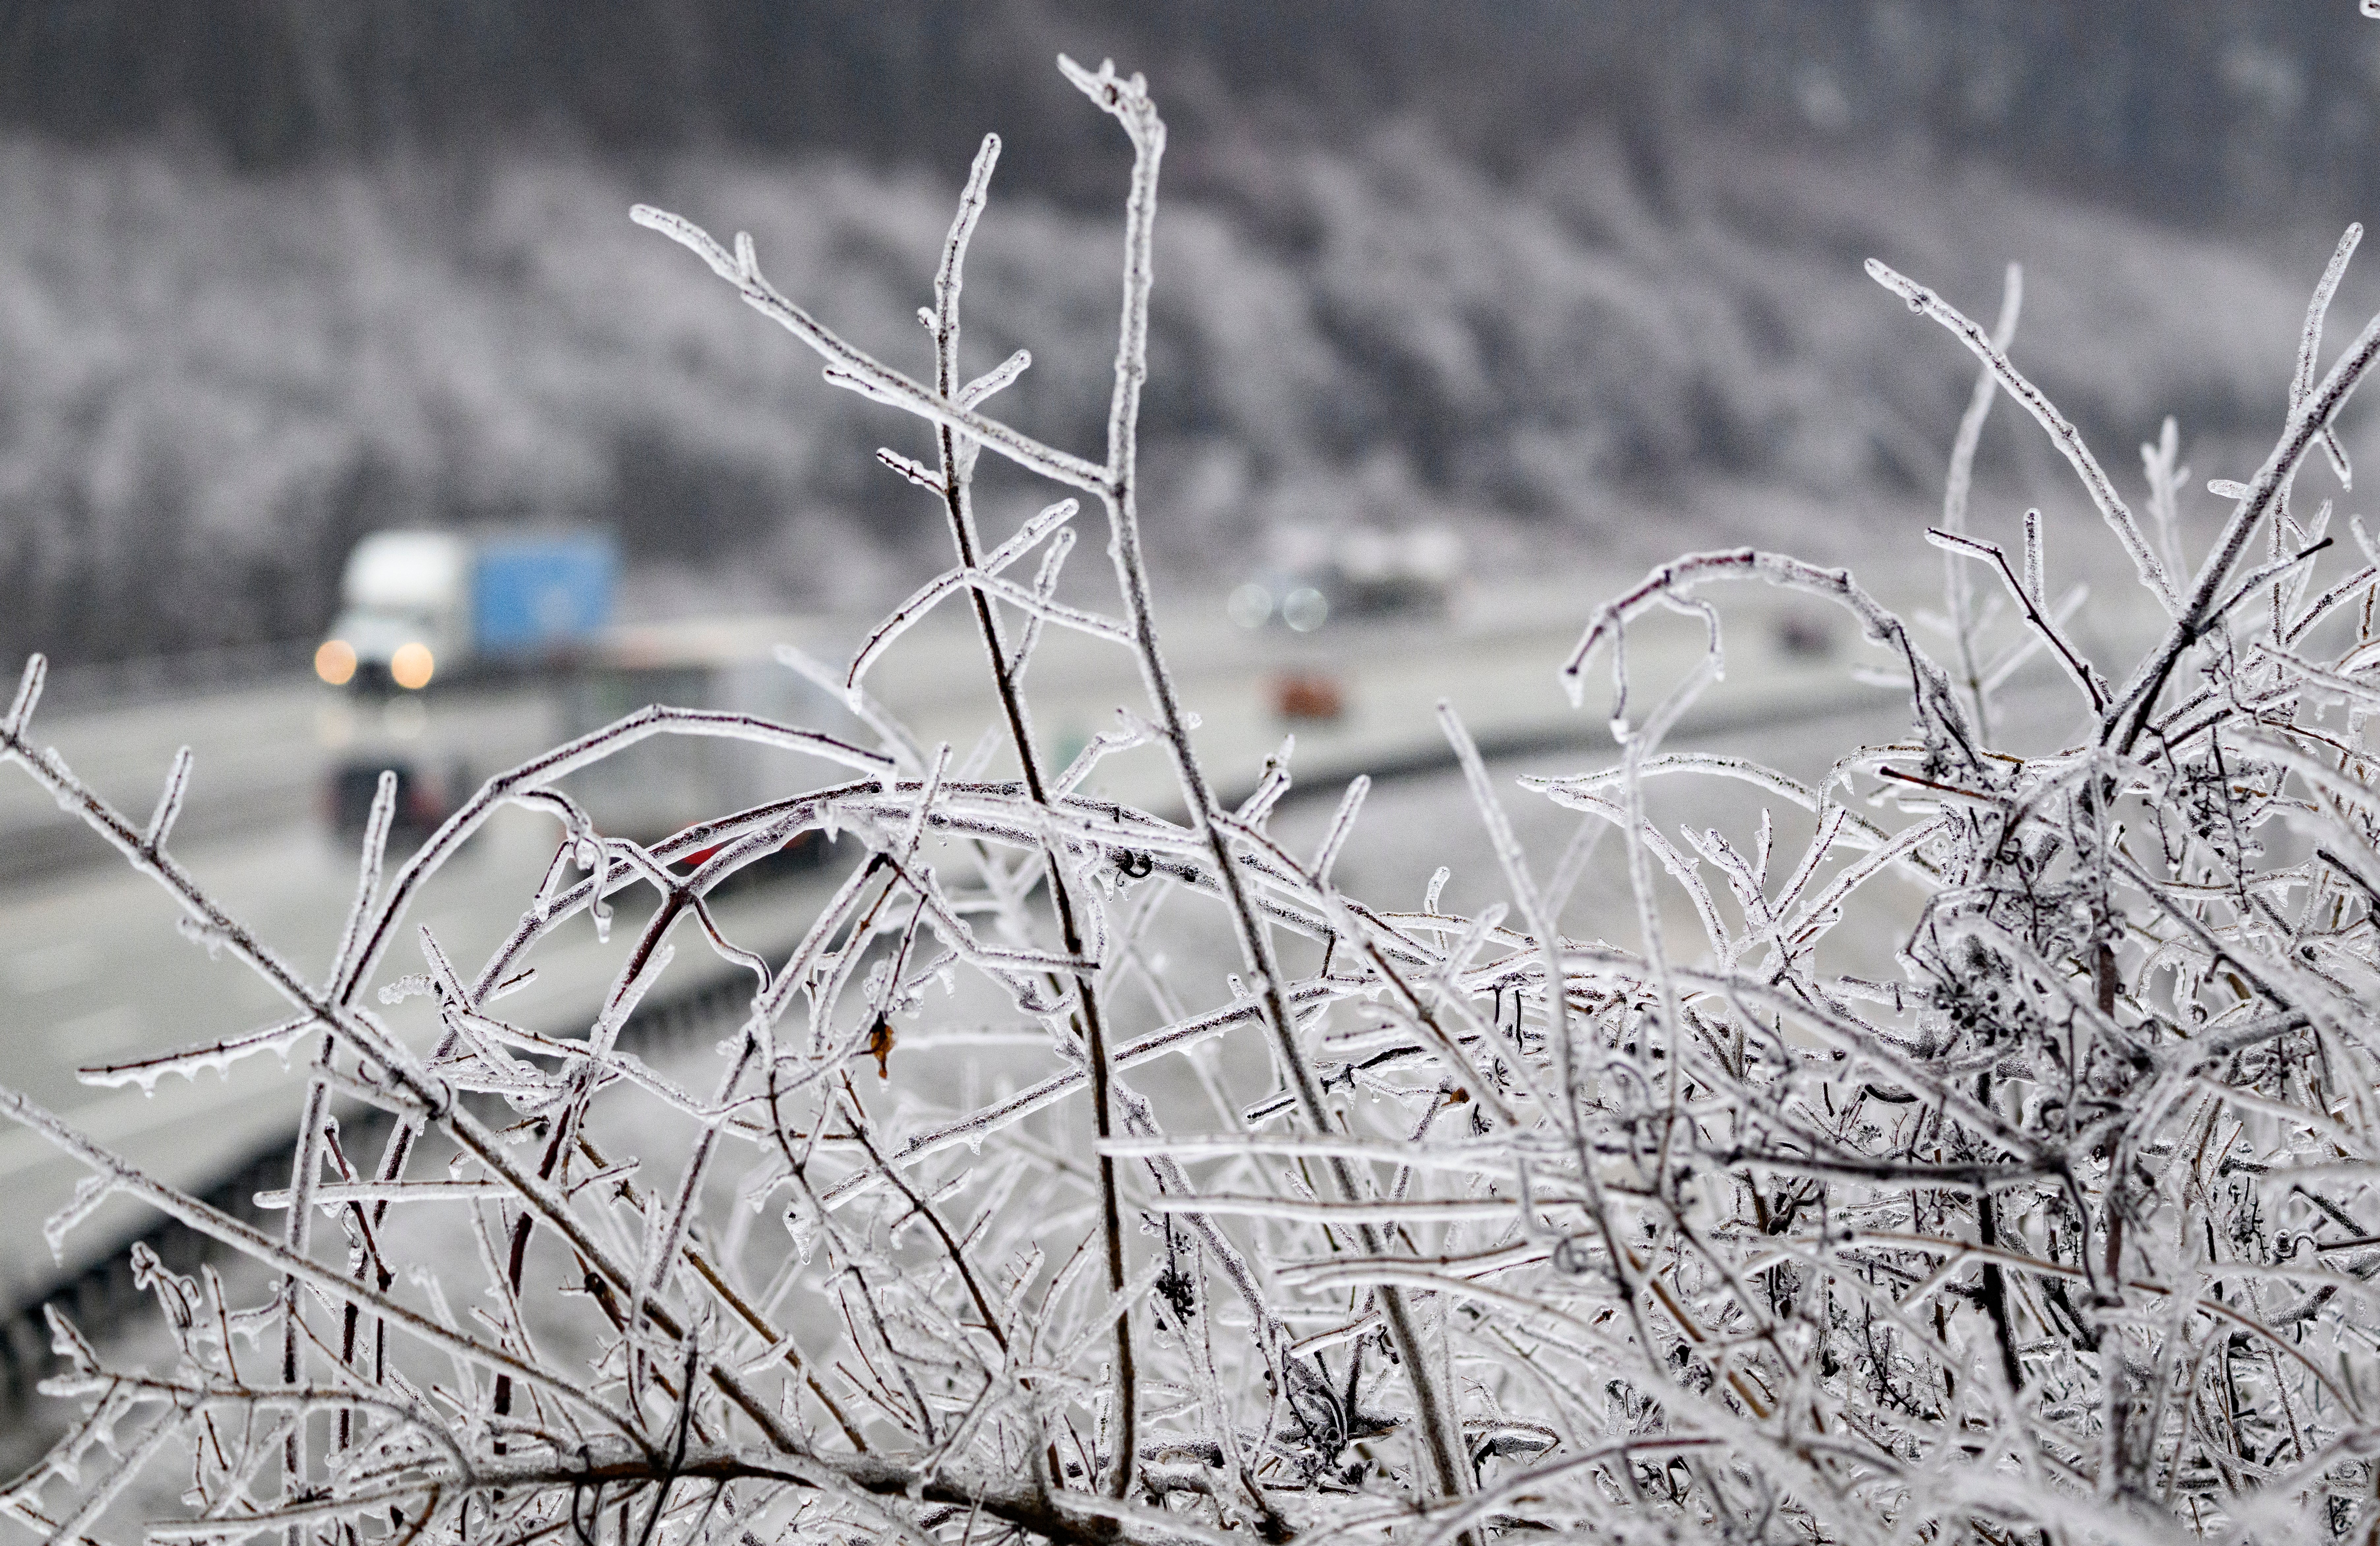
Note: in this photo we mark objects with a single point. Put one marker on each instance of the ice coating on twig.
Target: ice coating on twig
(29, 694)
(1033, 602)
(996, 379)
(2062, 434)
(169, 801)
(2028, 596)
(2310, 345)
(1958, 487)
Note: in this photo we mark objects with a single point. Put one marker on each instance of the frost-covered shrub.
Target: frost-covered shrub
(2056, 1231)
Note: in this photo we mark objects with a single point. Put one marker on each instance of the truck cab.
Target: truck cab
(405, 608)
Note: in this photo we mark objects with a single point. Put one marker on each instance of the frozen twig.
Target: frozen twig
(1959, 486)
(2062, 434)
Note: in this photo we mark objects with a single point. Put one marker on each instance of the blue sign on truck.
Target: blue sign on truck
(533, 592)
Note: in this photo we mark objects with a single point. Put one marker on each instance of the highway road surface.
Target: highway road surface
(93, 970)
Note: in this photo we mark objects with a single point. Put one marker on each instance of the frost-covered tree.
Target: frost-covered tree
(2057, 1230)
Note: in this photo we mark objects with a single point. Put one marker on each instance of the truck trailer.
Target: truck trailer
(645, 792)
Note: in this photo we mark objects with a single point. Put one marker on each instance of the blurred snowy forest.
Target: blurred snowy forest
(274, 273)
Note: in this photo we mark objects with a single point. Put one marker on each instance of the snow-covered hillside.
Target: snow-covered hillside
(214, 382)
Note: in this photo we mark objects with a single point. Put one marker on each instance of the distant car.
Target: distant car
(1308, 695)
(1360, 572)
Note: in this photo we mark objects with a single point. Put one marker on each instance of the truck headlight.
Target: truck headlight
(411, 665)
(335, 661)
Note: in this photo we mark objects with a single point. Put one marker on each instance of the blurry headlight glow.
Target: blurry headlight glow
(1305, 609)
(335, 661)
(411, 665)
(1250, 606)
